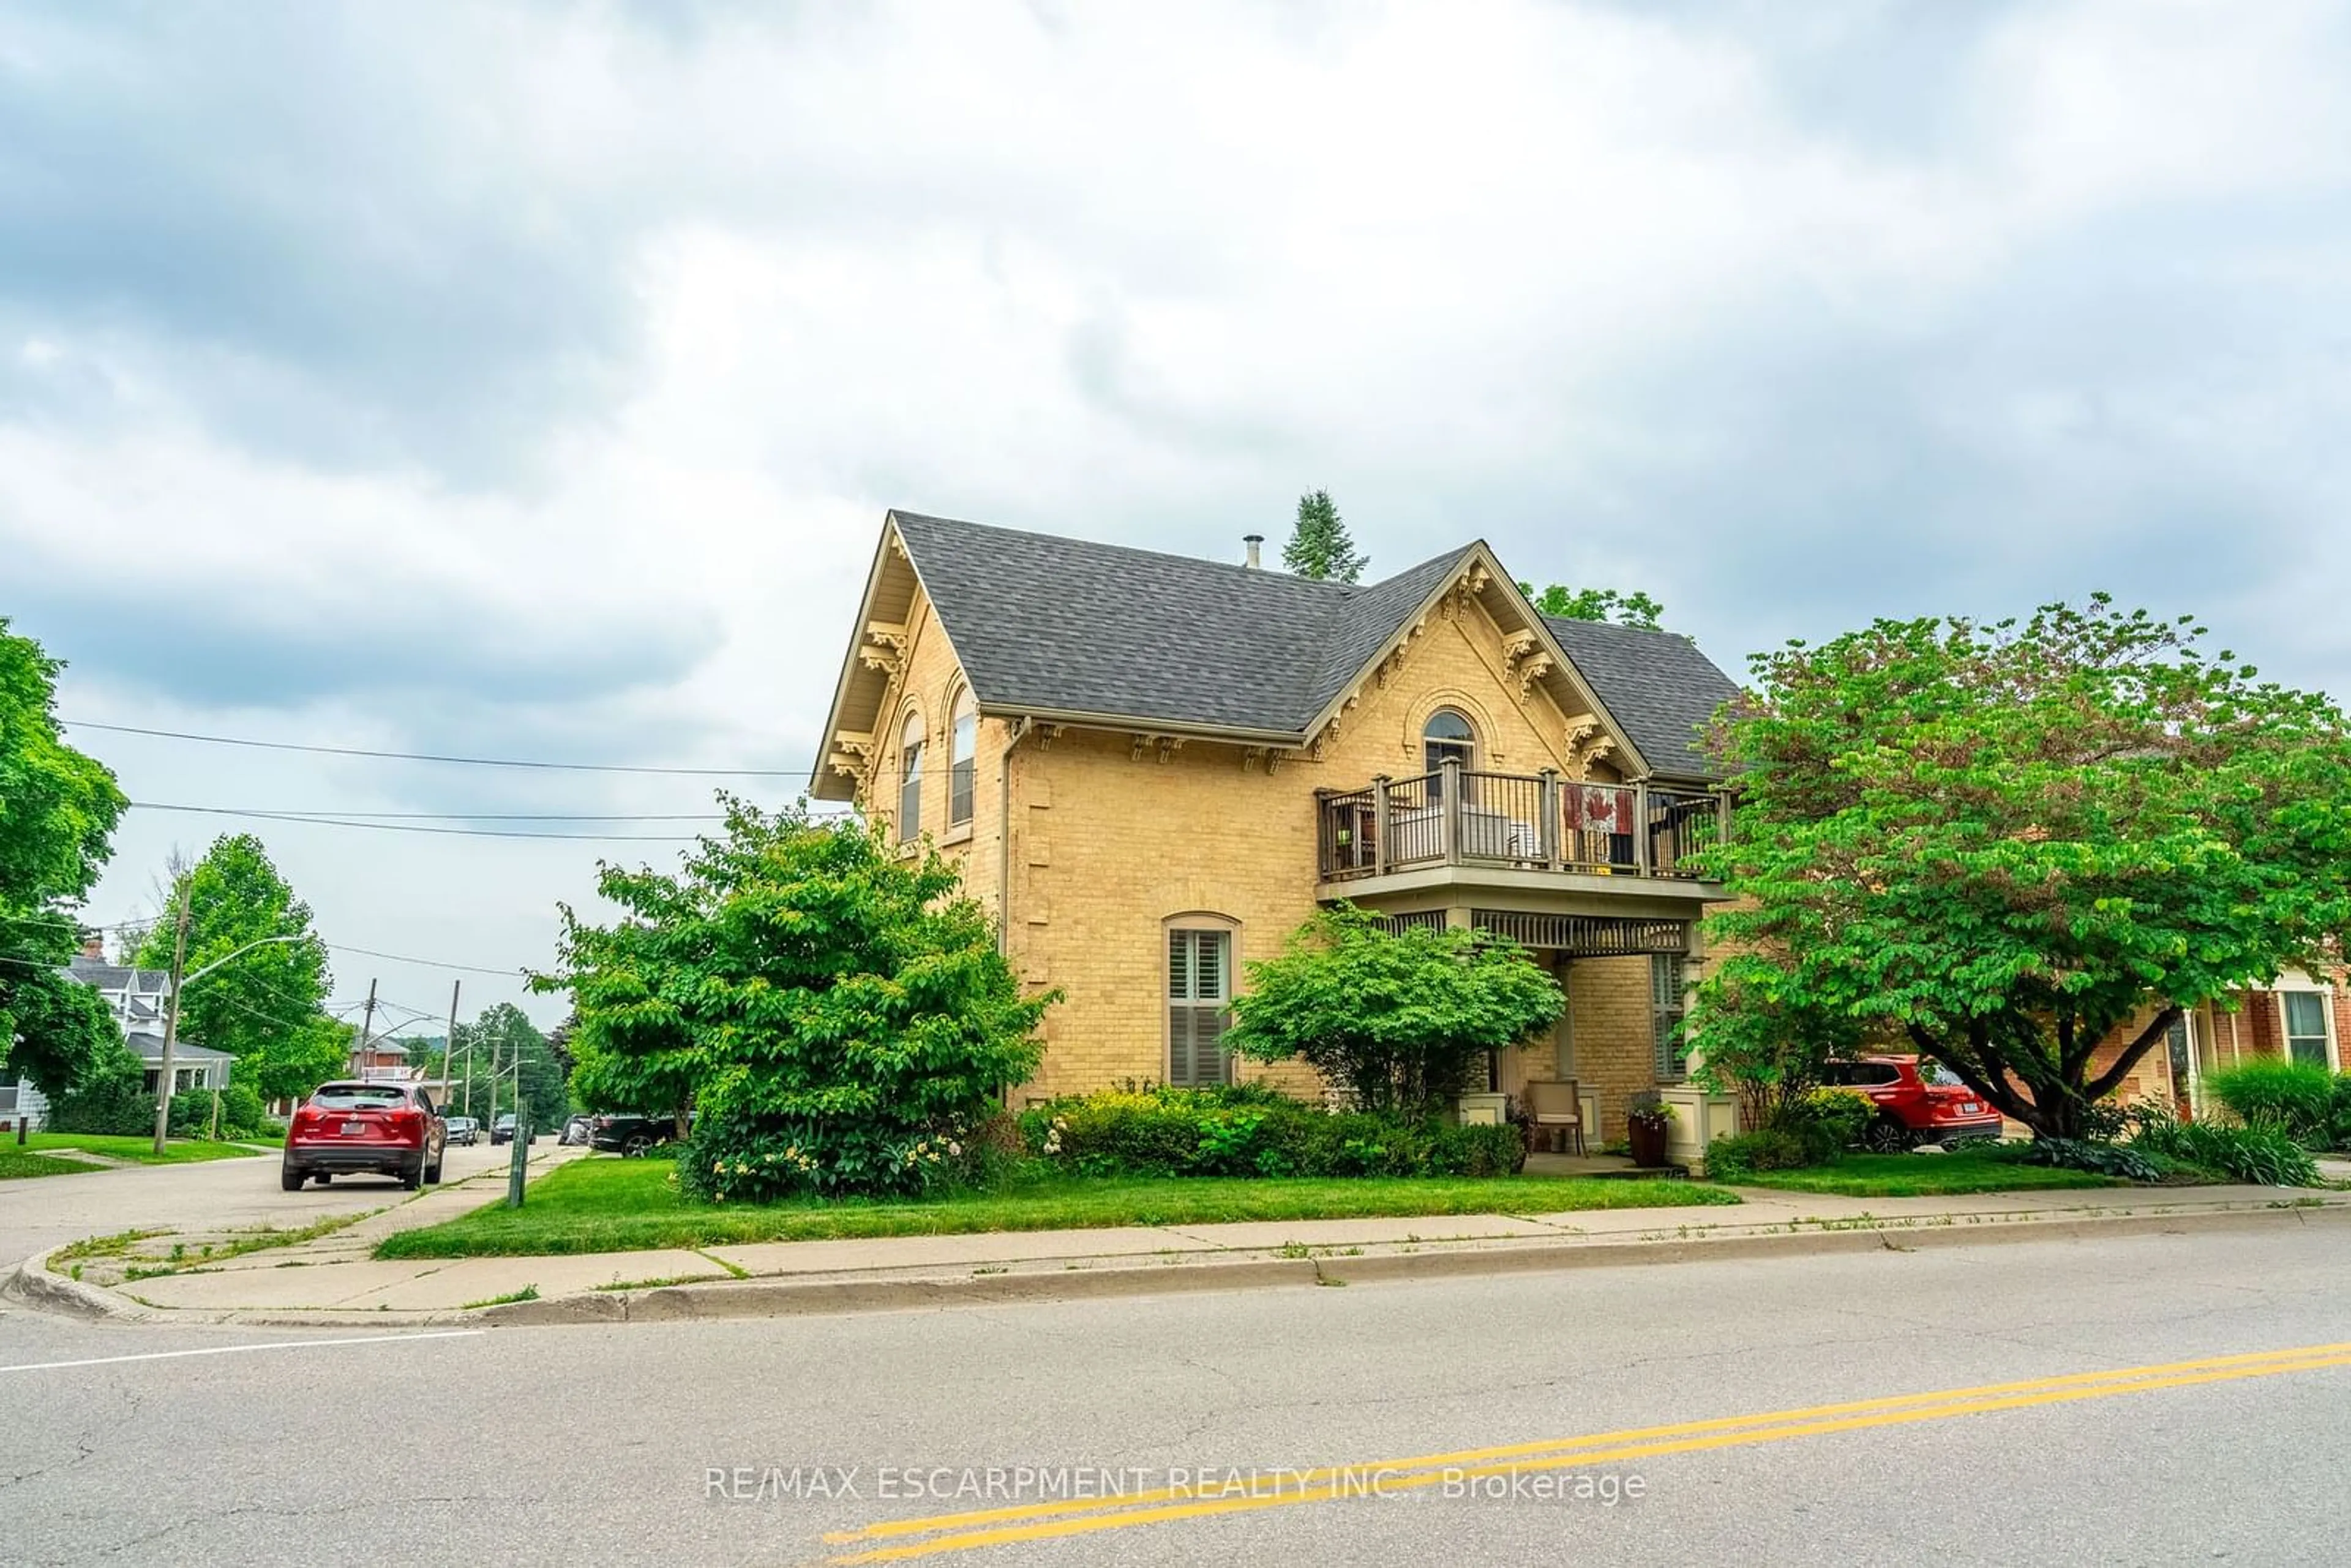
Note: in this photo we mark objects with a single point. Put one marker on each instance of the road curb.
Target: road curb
(36, 1286)
(1094, 1278)
(773, 1297)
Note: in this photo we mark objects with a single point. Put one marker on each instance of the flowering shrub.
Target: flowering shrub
(1246, 1130)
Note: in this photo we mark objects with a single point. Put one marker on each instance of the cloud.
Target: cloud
(536, 375)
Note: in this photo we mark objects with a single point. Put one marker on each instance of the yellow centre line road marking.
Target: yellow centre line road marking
(1401, 1475)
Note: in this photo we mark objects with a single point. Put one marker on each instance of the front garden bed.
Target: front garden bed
(610, 1204)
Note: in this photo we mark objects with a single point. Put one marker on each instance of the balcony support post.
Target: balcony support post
(1450, 818)
(1550, 818)
(1641, 829)
(1381, 784)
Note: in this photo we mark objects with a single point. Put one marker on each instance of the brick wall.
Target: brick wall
(1111, 843)
(1613, 1041)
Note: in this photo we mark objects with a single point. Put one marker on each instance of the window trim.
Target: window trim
(1466, 745)
(912, 737)
(1202, 923)
(2323, 996)
(1664, 1014)
(963, 758)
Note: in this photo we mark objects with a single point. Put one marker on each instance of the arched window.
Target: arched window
(910, 780)
(1447, 737)
(962, 737)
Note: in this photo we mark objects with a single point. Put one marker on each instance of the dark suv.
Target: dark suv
(388, 1129)
(625, 1135)
(1916, 1104)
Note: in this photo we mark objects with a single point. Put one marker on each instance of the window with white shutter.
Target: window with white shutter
(1199, 996)
(1668, 981)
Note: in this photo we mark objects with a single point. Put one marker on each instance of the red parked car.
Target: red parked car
(1916, 1104)
(389, 1129)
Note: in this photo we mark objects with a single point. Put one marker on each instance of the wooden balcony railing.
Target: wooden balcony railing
(1461, 816)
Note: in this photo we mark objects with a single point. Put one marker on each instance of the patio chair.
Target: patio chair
(1555, 1110)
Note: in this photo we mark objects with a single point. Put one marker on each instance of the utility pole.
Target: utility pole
(171, 1029)
(367, 1023)
(449, 1046)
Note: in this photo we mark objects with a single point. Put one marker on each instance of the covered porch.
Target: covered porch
(1625, 974)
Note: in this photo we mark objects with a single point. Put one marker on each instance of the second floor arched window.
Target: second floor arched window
(963, 736)
(910, 780)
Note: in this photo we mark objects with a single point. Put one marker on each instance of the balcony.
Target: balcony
(1459, 826)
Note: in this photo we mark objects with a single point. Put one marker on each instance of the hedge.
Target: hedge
(1246, 1130)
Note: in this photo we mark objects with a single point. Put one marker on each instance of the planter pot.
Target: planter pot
(1648, 1142)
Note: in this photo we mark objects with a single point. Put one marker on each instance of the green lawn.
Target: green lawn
(612, 1205)
(15, 1163)
(1925, 1176)
(139, 1151)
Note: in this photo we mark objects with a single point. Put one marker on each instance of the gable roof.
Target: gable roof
(1658, 685)
(1072, 630)
(106, 977)
(1071, 626)
(184, 1053)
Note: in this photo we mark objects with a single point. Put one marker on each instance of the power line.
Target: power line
(448, 816)
(514, 973)
(432, 757)
(419, 828)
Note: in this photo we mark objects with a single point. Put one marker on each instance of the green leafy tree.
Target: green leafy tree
(264, 1006)
(837, 1015)
(1750, 1037)
(57, 813)
(1319, 545)
(1398, 1017)
(2002, 841)
(504, 1034)
(1634, 608)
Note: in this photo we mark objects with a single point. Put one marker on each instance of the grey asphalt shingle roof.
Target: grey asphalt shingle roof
(1080, 627)
(184, 1053)
(107, 977)
(1658, 684)
(1072, 626)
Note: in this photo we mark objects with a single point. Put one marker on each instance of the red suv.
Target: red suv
(1916, 1104)
(389, 1129)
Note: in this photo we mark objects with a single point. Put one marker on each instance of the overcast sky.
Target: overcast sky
(530, 380)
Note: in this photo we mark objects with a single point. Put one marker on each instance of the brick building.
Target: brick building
(1153, 768)
(2301, 1016)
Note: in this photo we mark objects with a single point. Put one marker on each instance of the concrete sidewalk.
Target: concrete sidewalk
(332, 1279)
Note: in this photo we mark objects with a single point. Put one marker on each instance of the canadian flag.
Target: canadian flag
(1597, 809)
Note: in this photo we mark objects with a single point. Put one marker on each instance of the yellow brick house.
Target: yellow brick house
(1151, 768)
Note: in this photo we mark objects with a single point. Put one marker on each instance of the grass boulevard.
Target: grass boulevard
(610, 1204)
(48, 1154)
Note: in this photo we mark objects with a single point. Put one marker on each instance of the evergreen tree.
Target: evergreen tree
(1318, 547)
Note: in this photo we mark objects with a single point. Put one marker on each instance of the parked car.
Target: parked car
(502, 1131)
(630, 1134)
(1915, 1105)
(464, 1130)
(387, 1129)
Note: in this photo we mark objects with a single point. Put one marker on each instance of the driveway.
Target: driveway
(37, 1214)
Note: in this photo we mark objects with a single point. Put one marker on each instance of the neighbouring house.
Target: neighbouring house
(2300, 1017)
(138, 1000)
(192, 1066)
(141, 1001)
(1151, 768)
(381, 1059)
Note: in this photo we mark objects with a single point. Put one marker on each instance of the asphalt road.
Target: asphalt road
(669, 1443)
